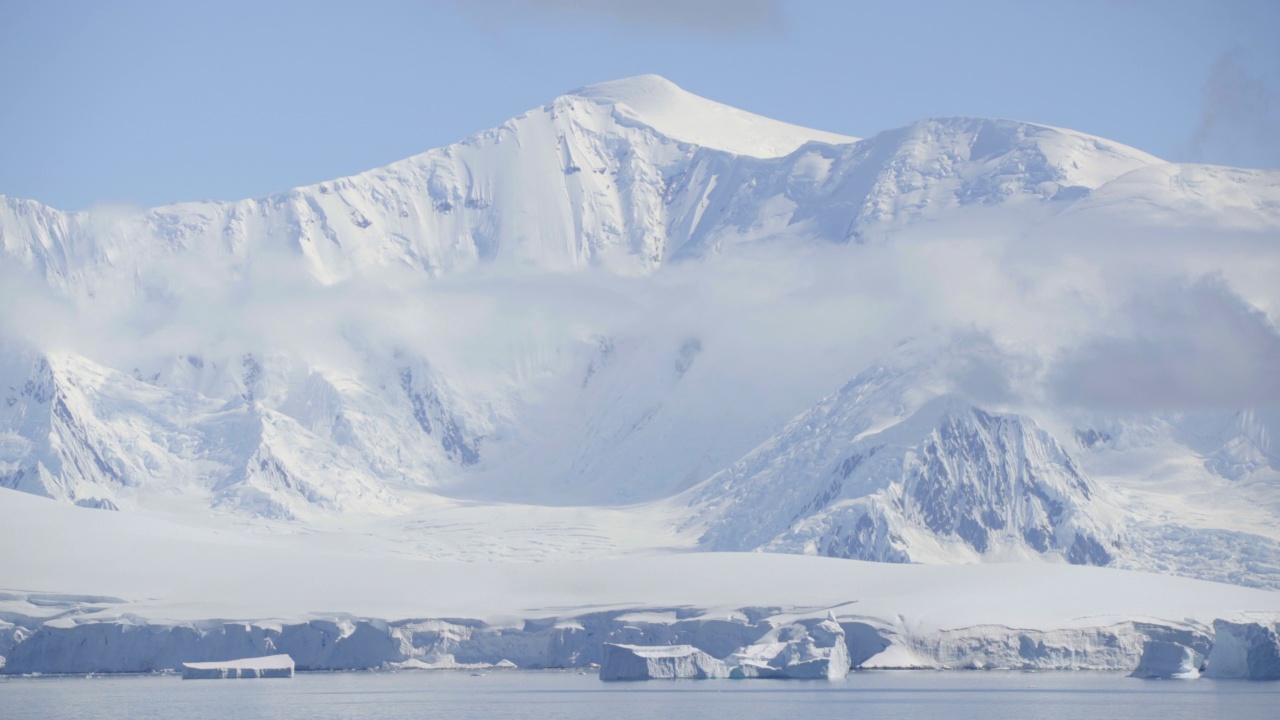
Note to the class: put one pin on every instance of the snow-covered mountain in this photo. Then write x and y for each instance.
(610, 176)
(582, 181)
(946, 482)
(85, 433)
(633, 295)
(897, 467)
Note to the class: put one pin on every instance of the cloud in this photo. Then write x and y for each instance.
(709, 15)
(1078, 315)
(1240, 114)
(980, 369)
(1189, 346)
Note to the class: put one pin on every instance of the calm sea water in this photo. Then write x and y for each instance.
(516, 694)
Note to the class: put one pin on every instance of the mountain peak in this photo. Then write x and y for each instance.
(657, 102)
(630, 89)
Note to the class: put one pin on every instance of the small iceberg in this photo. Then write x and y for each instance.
(271, 666)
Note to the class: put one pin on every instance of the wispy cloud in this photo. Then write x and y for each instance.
(1240, 114)
(1078, 315)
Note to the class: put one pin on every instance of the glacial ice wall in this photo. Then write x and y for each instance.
(1245, 650)
(1168, 660)
(128, 645)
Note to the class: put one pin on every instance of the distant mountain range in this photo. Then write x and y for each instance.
(966, 340)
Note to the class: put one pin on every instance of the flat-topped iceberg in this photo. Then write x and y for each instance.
(653, 662)
(271, 666)
(1168, 660)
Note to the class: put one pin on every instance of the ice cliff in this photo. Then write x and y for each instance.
(658, 643)
(1245, 650)
(1168, 660)
(803, 651)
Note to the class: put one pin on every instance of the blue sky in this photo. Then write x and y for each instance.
(145, 103)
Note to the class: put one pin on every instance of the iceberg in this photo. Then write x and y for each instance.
(650, 662)
(807, 651)
(271, 666)
(1244, 650)
(1168, 660)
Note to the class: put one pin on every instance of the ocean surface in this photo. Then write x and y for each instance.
(530, 694)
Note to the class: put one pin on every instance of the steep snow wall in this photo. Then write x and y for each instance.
(1245, 650)
(1168, 660)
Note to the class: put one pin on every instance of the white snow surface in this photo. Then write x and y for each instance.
(164, 572)
(268, 662)
(163, 593)
(656, 102)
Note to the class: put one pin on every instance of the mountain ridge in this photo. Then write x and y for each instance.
(434, 210)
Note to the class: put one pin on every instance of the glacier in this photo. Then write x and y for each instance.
(632, 325)
(53, 634)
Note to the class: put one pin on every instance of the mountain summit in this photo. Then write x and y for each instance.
(656, 102)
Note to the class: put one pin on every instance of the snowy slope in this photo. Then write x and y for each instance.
(1187, 193)
(163, 572)
(655, 102)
